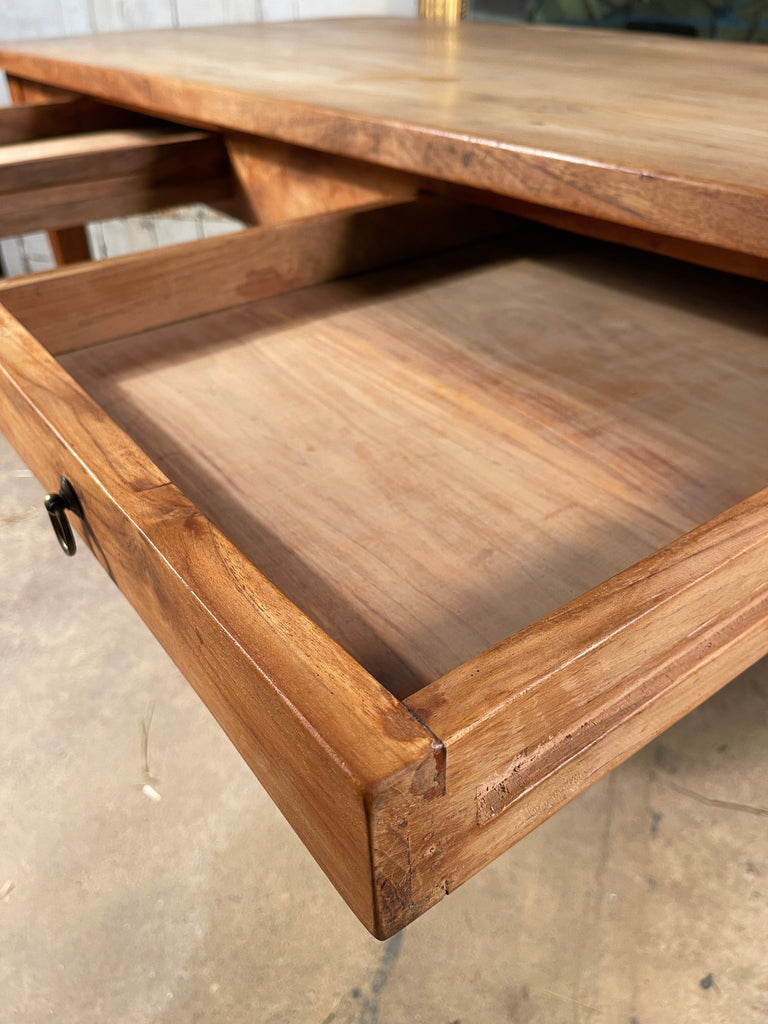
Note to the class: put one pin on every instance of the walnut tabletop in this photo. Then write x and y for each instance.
(652, 132)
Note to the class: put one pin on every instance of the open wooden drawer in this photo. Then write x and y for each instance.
(378, 522)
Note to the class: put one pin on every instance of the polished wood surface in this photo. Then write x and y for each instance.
(344, 760)
(619, 126)
(426, 477)
(132, 293)
(281, 182)
(428, 460)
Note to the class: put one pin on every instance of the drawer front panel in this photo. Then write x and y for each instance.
(321, 735)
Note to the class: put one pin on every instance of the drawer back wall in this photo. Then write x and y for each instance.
(36, 19)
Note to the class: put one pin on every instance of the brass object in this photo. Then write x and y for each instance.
(447, 12)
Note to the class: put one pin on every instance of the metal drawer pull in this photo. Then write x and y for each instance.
(57, 506)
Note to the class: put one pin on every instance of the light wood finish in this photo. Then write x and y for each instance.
(559, 117)
(281, 182)
(562, 703)
(68, 181)
(70, 244)
(158, 154)
(430, 458)
(434, 459)
(85, 150)
(430, 479)
(342, 758)
(144, 290)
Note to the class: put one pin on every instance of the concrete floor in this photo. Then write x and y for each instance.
(644, 901)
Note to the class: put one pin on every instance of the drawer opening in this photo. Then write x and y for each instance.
(427, 459)
(77, 179)
(76, 162)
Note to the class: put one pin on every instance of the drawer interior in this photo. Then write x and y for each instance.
(428, 458)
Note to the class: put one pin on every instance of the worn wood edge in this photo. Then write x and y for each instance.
(534, 721)
(127, 294)
(318, 173)
(654, 683)
(341, 757)
(601, 618)
(701, 210)
(345, 174)
(398, 898)
(455, 845)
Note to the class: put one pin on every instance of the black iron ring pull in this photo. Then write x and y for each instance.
(57, 506)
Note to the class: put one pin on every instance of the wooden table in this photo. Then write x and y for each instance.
(443, 510)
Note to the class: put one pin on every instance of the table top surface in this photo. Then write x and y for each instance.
(549, 114)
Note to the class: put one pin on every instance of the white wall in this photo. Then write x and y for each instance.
(35, 19)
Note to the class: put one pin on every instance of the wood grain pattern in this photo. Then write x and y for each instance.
(342, 758)
(531, 723)
(558, 117)
(64, 206)
(70, 244)
(68, 181)
(145, 290)
(431, 459)
(67, 162)
(279, 182)
(156, 153)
